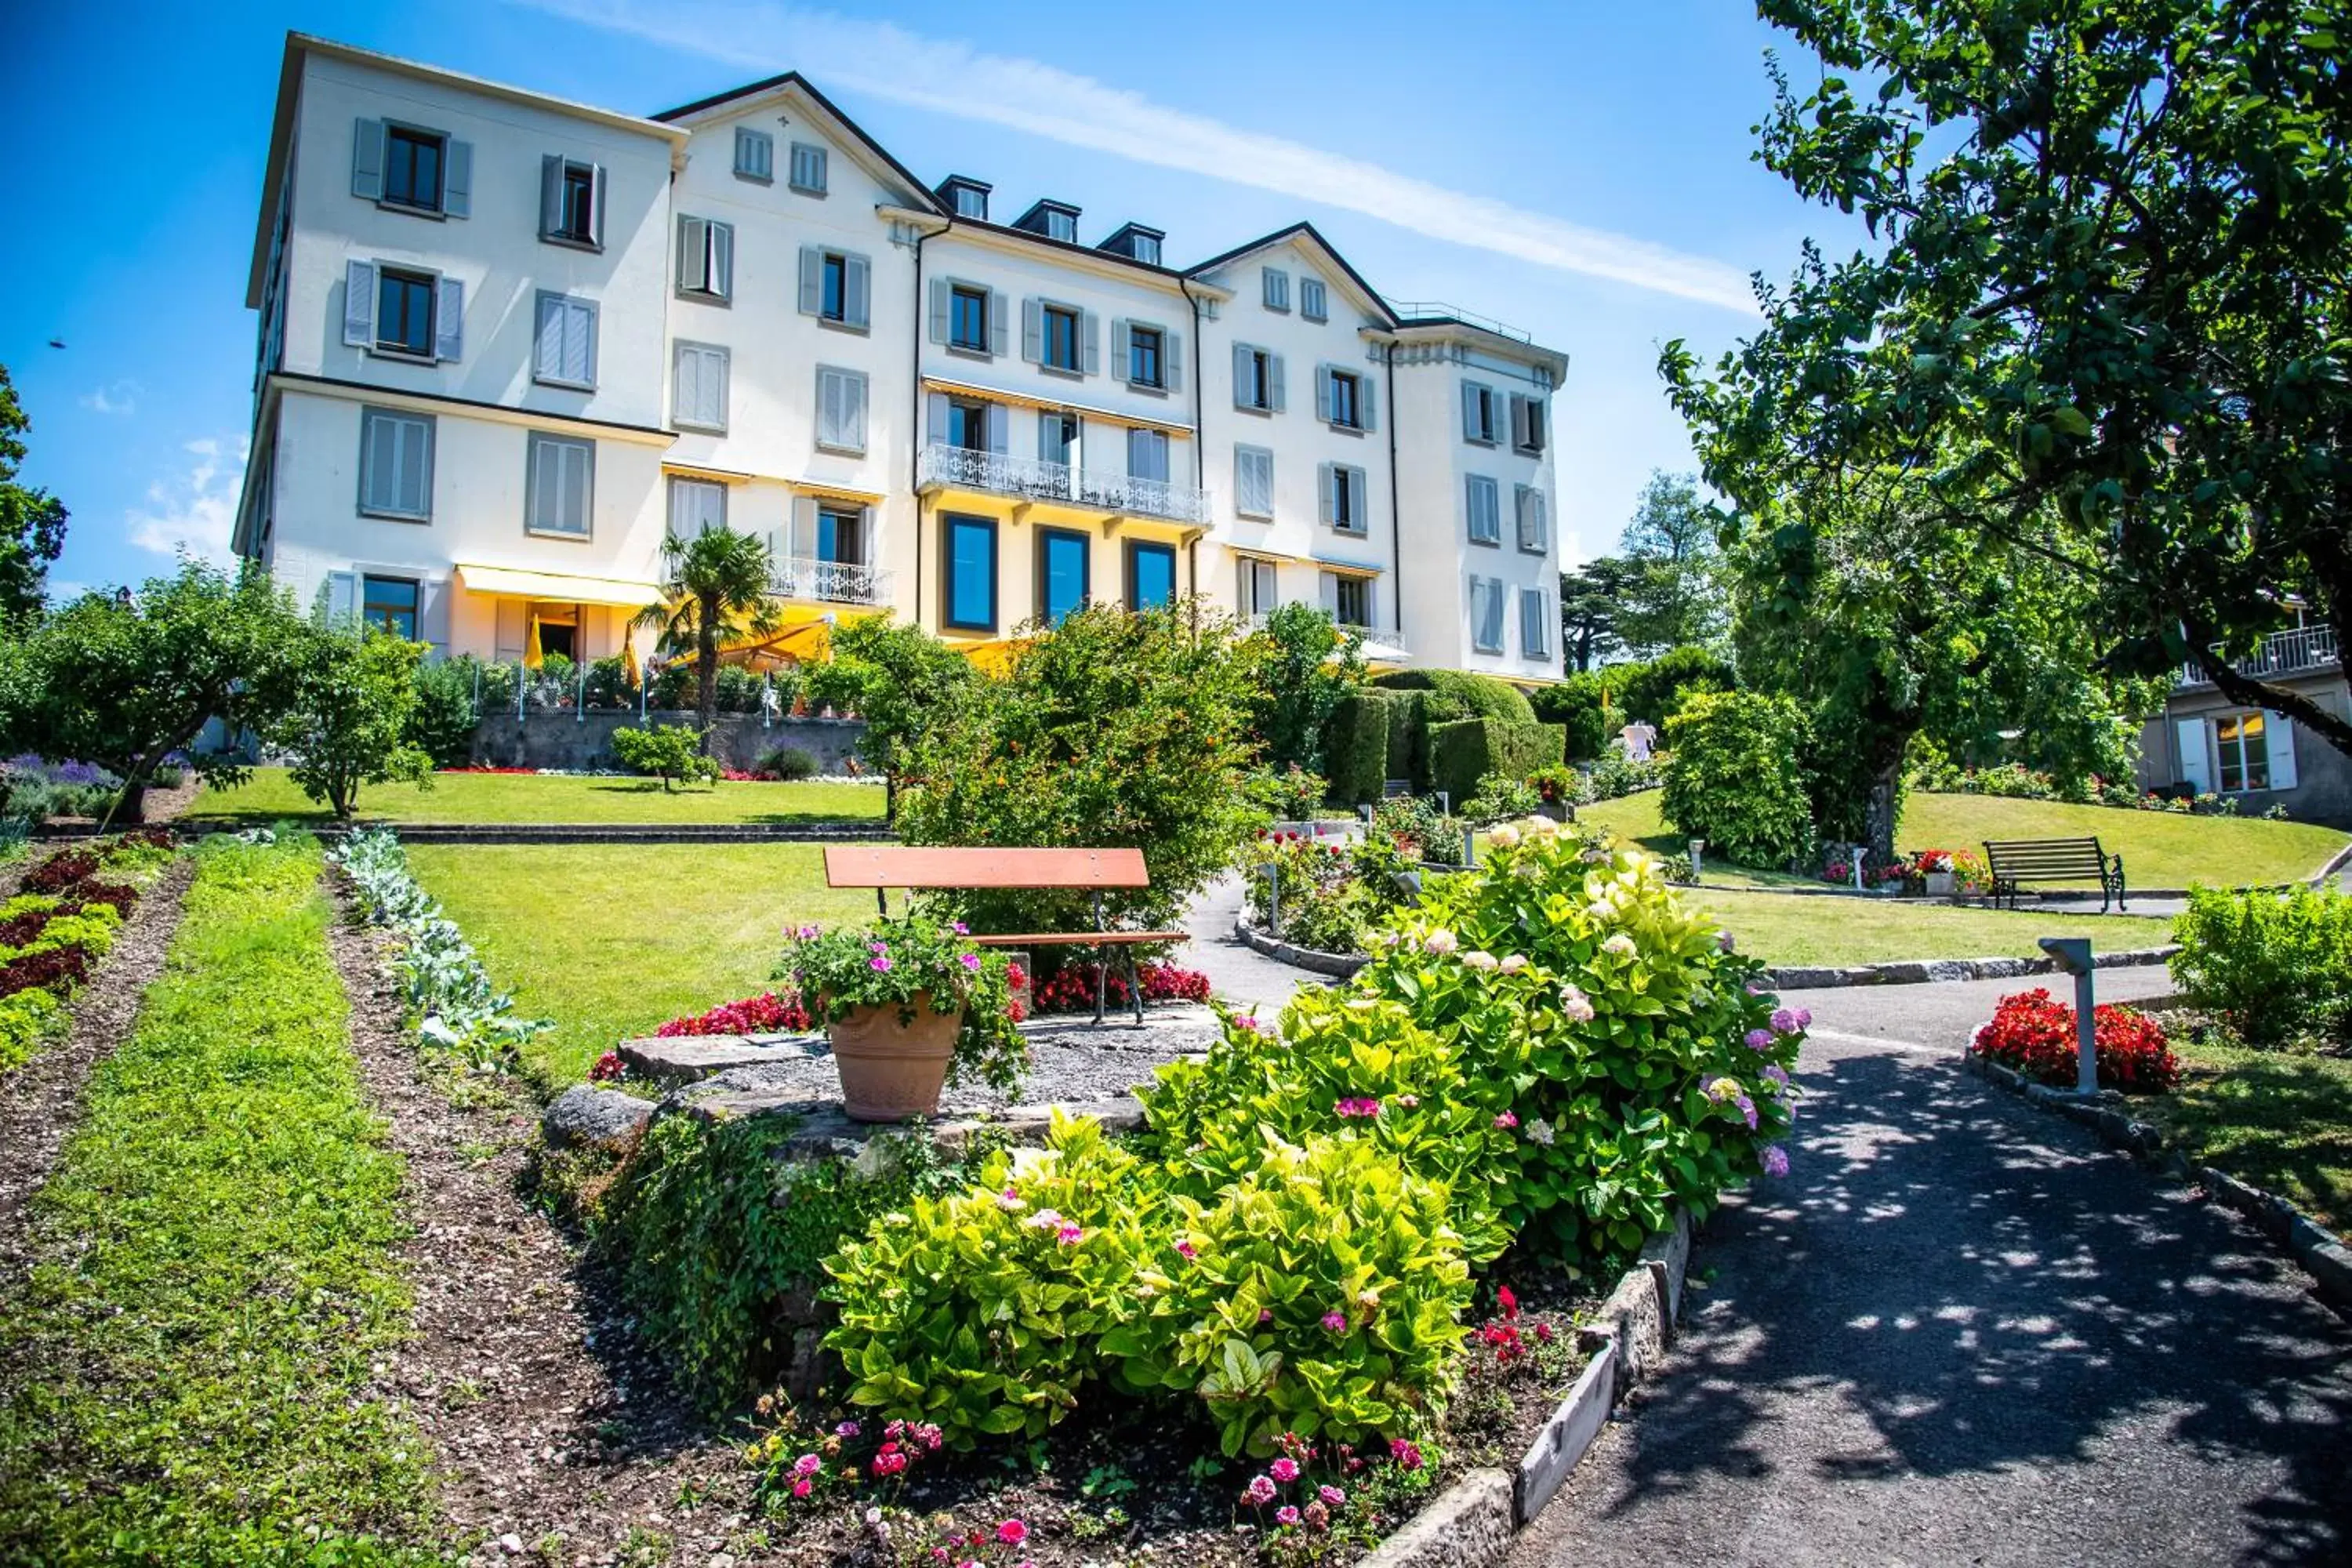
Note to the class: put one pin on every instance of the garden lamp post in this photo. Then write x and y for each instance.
(2073, 954)
(1697, 852)
(1272, 900)
(1859, 851)
(1469, 845)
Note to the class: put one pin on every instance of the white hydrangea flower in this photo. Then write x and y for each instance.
(1540, 1131)
(1503, 838)
(1440, 940)
(1513, 963)
(1482, 961)
(1621, 944)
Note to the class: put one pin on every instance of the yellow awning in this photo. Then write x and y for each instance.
(507, 583)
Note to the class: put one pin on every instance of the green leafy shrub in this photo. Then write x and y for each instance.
(1455, 694)
(739, 690)
(1659, 689)
(1291, 794)
(1356, 748)
(27, 1019)
(442, 722)
(1414, 824)
(2274, 967)
(790, 764)
(1736, 780)
(1617, 774)
(609, 685)
(1304, 665)
(1579, 706)
(673, 752)
(1501, 798)
(1464, 752)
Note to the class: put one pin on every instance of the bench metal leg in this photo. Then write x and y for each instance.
(1102, 965)
(1134, 985)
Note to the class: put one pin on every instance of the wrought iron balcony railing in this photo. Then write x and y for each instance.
(833, 581)
(1033, 478)
(2303, 651)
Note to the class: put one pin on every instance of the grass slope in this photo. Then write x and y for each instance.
(611, 940)
(2159, 849)
(2280, 1119)
(216, 1272)
(481, 798)
(1794, 929)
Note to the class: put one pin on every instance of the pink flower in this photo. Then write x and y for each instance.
(806, 932)
(1507, 1120)
(1724, 941)
(1284, 1469)
(1336, 1321)
(1407, 1101)
(846, 1429)
(1009, 1200)
(1184, 1249)
(880, 965)
(1013, 1533)
(1760, 1039)
(969, 961)
(1287, 1514)
(1265, 1315)
(807, 1464)
(1069, 1236)
(1259, 1492)
(801, 1488)
(1317, 1516)
(1405, 1453)
(1248, 1026)
(1332, 1495)
(960, 928)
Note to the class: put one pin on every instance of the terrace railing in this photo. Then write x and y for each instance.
(2303, 651)
(1034, 478)
(831, 582)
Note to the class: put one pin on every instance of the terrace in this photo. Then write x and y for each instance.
(2307, 650)
(945, 467)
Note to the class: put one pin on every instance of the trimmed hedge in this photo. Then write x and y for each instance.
(1467, 751)
(1356, 747)
(1409, 738)
(1579, 706)
(1456, 694)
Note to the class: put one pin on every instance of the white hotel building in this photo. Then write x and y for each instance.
(509, 343)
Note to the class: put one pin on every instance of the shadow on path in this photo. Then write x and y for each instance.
(1960, 1332)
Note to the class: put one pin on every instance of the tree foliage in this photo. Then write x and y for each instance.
(343, 717)
(897, 678)
(1590, 598)
(1306, 664)
(32, 521)
(2102, 319)
(1735, 780)
(715, 590)
(1669, 579)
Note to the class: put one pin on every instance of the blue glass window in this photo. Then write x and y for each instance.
(968, 319)
(1061, 573)
(1151, 576)
(971, 574)
(403, 313)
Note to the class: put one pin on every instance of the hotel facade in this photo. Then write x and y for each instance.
(508, 344)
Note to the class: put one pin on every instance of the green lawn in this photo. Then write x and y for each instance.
(187, 1375)
(547, 797)
(611, 940)
(2280, 1121)
(2159, 849)
(1794, 928)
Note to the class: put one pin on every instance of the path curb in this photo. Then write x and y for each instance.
(1920, 971)
(2320, 1251)
(1472, 1523)
(1339, 965)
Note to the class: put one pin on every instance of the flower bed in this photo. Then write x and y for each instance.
(2035, 1036)
(1071, 989)
(54, 932)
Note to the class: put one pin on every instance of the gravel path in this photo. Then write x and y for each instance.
(1962, 1332)
(1237, 972)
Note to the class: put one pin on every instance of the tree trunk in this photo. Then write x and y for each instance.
(706, 674)
(131, 811)
(1878, 810)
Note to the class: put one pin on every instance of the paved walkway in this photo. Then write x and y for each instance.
(1960, 1331)
(1237, 972)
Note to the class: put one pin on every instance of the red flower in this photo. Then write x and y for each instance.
(2035, 1035)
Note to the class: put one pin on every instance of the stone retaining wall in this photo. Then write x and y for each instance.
(551, 738)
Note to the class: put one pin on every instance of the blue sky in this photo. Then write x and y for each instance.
(1581, 170)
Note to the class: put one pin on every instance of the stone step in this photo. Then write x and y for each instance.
(688, 1058)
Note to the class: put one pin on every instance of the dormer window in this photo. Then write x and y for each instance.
(1135, 242)
(1055, 220)
(965, 198)
(1061, 225)
(1147, 248)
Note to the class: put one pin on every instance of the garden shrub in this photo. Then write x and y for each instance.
(1736, 779)
(1415, 826)
(739, 690)
(1408, 738)
(1456, 694)
(1291, 795)
(1500, 798)
(1071, 988)
(1617, 774)
(2273, 967)
(672, 751)
(442, 721)
(27, 1019)
(1464, 752)
(1658, 688)
(1303, 664)
(2035, 1036)
(1579, 706)
(790, 764)
(1356, 751)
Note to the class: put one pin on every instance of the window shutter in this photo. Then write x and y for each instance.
(936, 418)
(1367, 405)
(1032, 332)
(379, 460)
(1121, 357)
(722, 260)
(855, 273)
(551, 196)
(996, 426)
(1323, 392)
(1495, 614)
(2196, 767)
(714, 387)
(359, 304)
(342, 595)
(1469, 411)
(548, 364)
(1090, 334)
(1274, 380)
(433, 614)
(685, 381)
(367, 159)
(812, 281)
(1543, 520)
(450, 320)
(681, 509)
(596, 215)
(853, 412)
(803, 530)
(1324, 478)
(1171, 361)
(940, 292)
(1000, 330)
(576, 459)
(693, 250)
(2278, 730)
(1331, 593)
(457, 180)
(828, 406)
(416, 475)
(579, 342)
(1245, 361)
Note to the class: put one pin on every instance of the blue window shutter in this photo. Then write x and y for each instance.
(812, 281)
(853, 411)
(457, 180)
(1122, 357)
(450, 320)
(1324, 478)
(359, 304)
(367, 159)
(996, 426)
(596, 220)
(722, 260)
(1032, 332)
(1469, 411)
(937, 418)
(1000, 330)
(940, 292)
(342, 597)
(1171, 361)
(579, 342)
(1245, 364)
(547, 357)
(550, 195)
(1367, 406)
(855, 273)
(1323, 392)
(1090, 356)
(1274, 380)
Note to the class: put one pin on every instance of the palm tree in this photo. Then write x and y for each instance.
(715, 588)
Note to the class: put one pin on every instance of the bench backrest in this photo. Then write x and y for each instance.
(2044, 858)
(897, 865)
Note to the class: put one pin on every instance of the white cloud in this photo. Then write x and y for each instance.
(955, 79)
(193, 510)
(115, 397)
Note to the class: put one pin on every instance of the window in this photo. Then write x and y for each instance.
(565, 353)
(698, 386)
(970, 201)
(835, 286)
(403, 313)
(1144, 348)
(968, 422)
(1062, 570)
(1147, 455)
(1057, 440)
(1479, 416)
(1486, 614)
(840, 409)
(412, 168)
(968, 318)
(396, 463)
(389, 602)
(1535, 527)
(563, 486)
(571, 203)
(1347, 406)
(1312, 302)
(1151, 576)
(1351, 598)
(1145, 248)
(808, 169)
(968, 590)
(1343, 399)
(755, 156)
(1058, 346)
(696, 507)
(1344, 497)
(1277, 283)
(1062, 225)
(1257, 379)
(1526, 424)
(706, 260)
(840, 535)
(1535, 624)
(2243, 745)
(1484, 507)
(1254, 481)
(1258, 595)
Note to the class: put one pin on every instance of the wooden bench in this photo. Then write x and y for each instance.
(2015, 861)
(885, 867)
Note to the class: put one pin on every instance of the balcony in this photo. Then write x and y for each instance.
(828, 582)
(2307, 650)
(1057, 485)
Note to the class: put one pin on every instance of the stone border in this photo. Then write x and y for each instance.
(1472, 1523)
(2320, 1251)
(1338, 965)
(1920, 971)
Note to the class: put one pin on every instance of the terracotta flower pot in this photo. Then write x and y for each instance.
(891, 1071)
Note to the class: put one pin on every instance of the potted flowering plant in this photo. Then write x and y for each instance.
(1936, 872)
(908, 1004)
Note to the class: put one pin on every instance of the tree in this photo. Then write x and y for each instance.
(1305, 664)
(2102, 319)
(1590, 598)
(127, 681)
(670, 751)
(32, 521)
(347, 705)
(897, 678)
(1671, 591)
(716, 588)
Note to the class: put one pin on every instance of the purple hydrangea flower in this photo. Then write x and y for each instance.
(1760, 1039)
(1776, 1160)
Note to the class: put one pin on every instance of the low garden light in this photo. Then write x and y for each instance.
(2073, 955)
(1697, 851)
